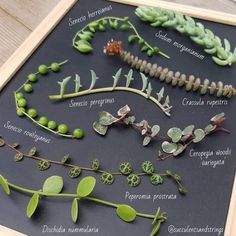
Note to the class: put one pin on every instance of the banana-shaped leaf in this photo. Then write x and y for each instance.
(116, 77)
(149, 90)
(145, 81)
(77, 83)
(129, 78)
(63, 85)
(93, 80)
(160, 94)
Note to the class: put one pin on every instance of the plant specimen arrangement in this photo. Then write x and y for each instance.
(52, 187)
(82, 39)
(176, 141)
(23, 110)
(190, 83)
(145, 92)
(222, 54)
(125, 168)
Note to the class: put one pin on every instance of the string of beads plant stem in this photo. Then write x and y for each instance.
(176, 141)
(145, 92)
(23, 110)
(108, 178)
(190, 83)
(82, 38)
(52, 187)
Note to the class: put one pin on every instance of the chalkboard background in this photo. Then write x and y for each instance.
(209, 189)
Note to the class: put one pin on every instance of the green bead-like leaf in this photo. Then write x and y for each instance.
(32, 205)
(175, 134)
(86, 186)
(74, 210)
(99, 128)
(4, 185)
(199, 135)
(74, 172)
(53, 184)
(105, 118)
(169, 147)
(209, 128)
(126, 213)
(131, 38)
(43, 165)
(188, 130)
(18, 157)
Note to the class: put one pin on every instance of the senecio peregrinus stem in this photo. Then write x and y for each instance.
(191, 83)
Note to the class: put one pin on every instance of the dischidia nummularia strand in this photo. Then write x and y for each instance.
(221, 52)
(52, 188)
(191, 83)
(23, 110)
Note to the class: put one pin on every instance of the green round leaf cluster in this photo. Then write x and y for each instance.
(156, 179)
(147, 167)
(95, 164)
(125, 168)
(74, 172)
(43, 165)
(133, 180)
(107, 178)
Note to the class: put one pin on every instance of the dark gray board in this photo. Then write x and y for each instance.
(206, 203)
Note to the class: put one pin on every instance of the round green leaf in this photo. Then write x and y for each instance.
(175, 134)
(218, 116)
(99, 128)
(43, 165)
(53, 184)
(86, 186)
(209, 128)
(105, 118)
(4, 185)
(169, 147)
(107, 178)
(126, 213)
(32, 151)
(188, 130)
(32, 205)
(199, 135)
(74, 210)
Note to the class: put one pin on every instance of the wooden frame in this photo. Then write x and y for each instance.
(19, 57)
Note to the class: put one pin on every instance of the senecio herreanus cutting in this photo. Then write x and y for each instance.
(52, 187)
(23, 109)
(222, 54)
(176, 141)
(191, 83)
(125, 168)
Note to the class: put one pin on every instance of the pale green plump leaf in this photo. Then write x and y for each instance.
(4, 184)
(129, 78)
(146, 140)
(227, 45)
(188, 130)
(175, 134)
(145, 81)
(123, 110)
(209, 128)
(94, 79)
(53, 184)
(179, 150)
(126, 213)
(218, 116)
(160, 94)
(32, 205)
(199, 135)
(99, 128)
(105, 118)
(155, 130)
(86, 186)
(169, 147)
(74, 210)
(116, 78)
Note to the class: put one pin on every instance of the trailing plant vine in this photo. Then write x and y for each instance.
(83, 37)
(52, 187)
(23, 110)
(176, 141)
(125, 169)
(191, 83)
(222, 54)
(145, 92)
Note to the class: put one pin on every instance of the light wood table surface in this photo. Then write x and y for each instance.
(18, 18)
